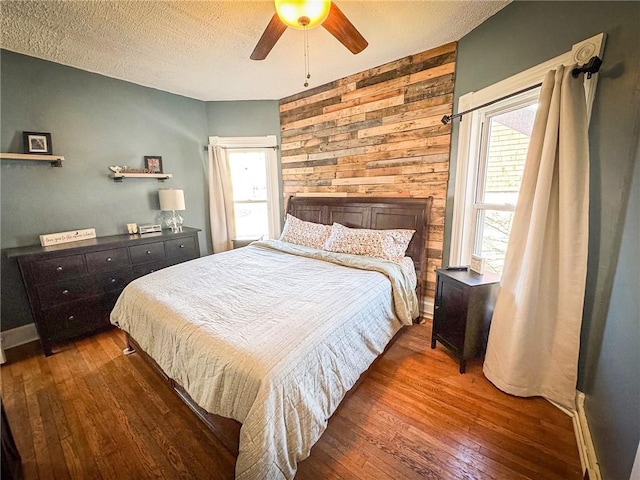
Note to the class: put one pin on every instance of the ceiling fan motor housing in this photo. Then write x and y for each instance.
(301, 14)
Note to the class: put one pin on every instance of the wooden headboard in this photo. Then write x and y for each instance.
(375, 213)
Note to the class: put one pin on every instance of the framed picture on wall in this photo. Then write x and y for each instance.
(153, 164)
(35, 142)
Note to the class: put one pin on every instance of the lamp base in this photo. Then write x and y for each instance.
(173, 221)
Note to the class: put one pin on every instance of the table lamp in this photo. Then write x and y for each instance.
(170, 201)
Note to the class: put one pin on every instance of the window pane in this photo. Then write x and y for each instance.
(248, 170)
(493, 228)
(248, 174)
(508, 141)
(252, 219)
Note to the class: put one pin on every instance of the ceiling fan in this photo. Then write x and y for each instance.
(304, 15)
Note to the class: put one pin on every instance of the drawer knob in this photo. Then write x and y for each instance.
(148, 252)
(65, 292)
(182, 245)
(109, 259)
(59, 268)
(113, 280)
(71, 317)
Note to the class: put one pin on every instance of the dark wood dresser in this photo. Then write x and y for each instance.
(462, 312)
(72, 287)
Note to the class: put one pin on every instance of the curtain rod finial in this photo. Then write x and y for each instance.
(591, 67)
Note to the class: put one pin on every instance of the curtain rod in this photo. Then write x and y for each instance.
(275, 147)
(591, 67)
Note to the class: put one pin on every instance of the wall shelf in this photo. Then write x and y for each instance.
(118, 177)
(55, 160)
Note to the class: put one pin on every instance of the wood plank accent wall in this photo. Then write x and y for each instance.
(376, 133)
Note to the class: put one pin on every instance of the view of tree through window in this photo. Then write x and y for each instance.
(507, 138)
(249, 179)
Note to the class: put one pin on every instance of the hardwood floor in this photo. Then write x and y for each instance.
(91, 412)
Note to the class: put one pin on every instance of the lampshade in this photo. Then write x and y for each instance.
(303, 13)
(171, 200)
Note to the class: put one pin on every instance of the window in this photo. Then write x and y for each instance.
(254, 177)
(492, 147)
(249, 179)
(505, 134)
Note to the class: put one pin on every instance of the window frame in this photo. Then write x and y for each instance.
(465, 182)
(270, 144)
(473, 232)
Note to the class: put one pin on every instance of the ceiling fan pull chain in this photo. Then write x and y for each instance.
(306, 57)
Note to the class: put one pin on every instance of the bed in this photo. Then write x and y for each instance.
(264, 342)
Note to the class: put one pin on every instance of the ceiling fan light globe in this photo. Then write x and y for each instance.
(312, 11)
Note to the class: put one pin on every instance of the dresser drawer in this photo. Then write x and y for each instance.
(112, 281)
(45, 271)
(74, 319)
(181, 247)
(149, 252)
(140, 270)
(107, 260)
(53, 294)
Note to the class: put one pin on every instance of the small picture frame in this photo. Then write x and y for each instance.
(36, 142)
(153, 164)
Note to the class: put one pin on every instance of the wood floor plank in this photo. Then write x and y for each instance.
(21, 425)
(448, 452)
(89, 411)
(33, 384)
(159, 419)
(127, 437)
(51, 437)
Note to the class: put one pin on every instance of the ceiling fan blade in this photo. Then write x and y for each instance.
(340, 27)
(271, 34)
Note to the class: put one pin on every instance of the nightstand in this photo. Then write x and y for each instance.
(462, 313)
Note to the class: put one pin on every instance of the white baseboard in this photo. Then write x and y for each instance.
(18, 336)
(583, 437)
(635, 471)
(427, 307)
(586, 450)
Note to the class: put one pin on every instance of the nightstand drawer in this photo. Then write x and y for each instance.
(112, 281)
(181, 247)
(53, 294)
(45, 271)
(149, 252)
(107, 260)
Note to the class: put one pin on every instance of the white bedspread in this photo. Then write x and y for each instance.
(269, 338)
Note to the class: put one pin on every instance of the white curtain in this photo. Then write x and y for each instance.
(220, 201)
(534, 338)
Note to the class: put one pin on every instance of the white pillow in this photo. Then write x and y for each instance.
(387, 244)
(308, 234)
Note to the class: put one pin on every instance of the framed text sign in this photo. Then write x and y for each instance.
(66, 237)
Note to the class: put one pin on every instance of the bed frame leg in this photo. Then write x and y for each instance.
(129, 350)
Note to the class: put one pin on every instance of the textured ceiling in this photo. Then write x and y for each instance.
(201, 49)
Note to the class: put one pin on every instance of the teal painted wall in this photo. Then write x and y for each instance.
(613, 404)
(246, 118)
(94, 121)
(518, 37)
